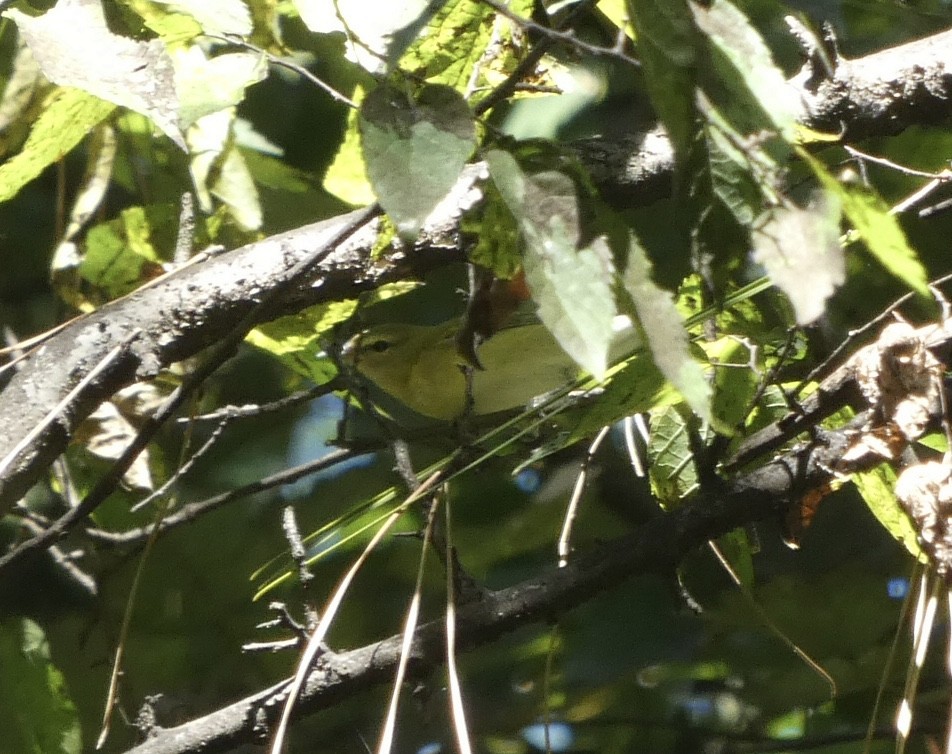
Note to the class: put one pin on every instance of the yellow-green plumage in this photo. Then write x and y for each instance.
(421, 367)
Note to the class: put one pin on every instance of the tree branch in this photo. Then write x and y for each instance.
(655, 547)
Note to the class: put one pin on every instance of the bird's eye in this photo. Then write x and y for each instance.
(378, 346)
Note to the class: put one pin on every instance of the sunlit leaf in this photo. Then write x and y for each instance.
(739, 45)
(377, 32)
(218, 169)
(498, 246)
(20, 86)
(466, 46)
(123, 253)
(296, 340)
(207, 85)
(74, 47)
(69, 115)
(877, 489)
(235, 187)
(346, 176)
(876, 226)
(616, 11)
(672, 471)
(632, 388)
(215, 16)
(414, 149)
(800, 249)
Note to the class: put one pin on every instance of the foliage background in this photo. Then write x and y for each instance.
(632, 670)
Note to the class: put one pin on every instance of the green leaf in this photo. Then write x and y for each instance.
(800, 249)
(573, 290)
(216, 16)
(346, 177)
(572, 286)
(741, 57)
(736, 548)
(207, 85)
(617, 12)
(381, 31)
(667, 47)
(672, 471)
(121, 254)
(235, 188)
(296, 339)
(876, 226)
(664, 329)
(37, 715)
(631, 388)
(74, 47)
(876, 488)
(466, 45)
(415, 149)
(69, 115)
(219, 170)
(731, 180)
(498, 246)
(735, 381)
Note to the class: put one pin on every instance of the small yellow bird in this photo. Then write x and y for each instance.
(420, 366)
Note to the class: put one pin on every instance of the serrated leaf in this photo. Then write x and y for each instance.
(69, 115)
(667, 47)
(747, 59)
(463, 39)
(414, 150)
(877, 490)
(800, 249)
(74, 47)
(664, 329)
(573, 290)
(879, 230)
(730, 175)
(672, 471)
(573, 287)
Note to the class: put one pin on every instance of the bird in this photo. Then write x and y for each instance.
(423, 367)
